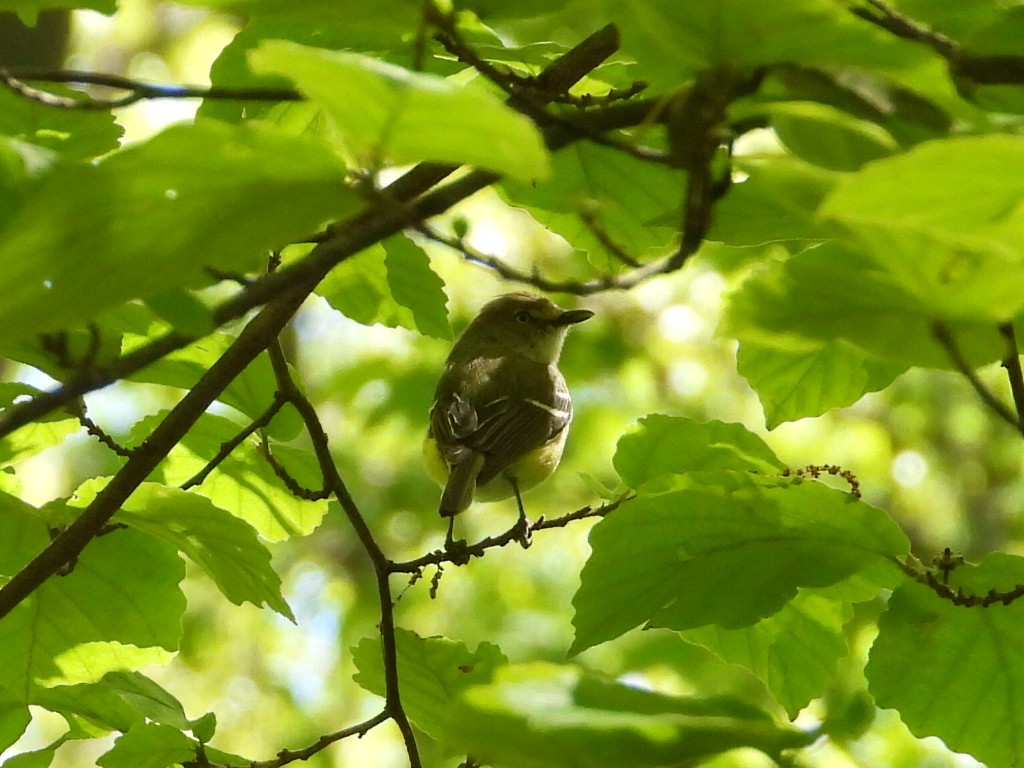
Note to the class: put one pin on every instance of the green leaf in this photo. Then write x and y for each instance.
(776, 203)
(380, 29)
(630, 201)
(223, 545)
(149, 699)
(183, 311)
(251, 392)
(669, 445)
(157, 216)
(795, 651)
(831, 292)
(35, 437)
(124, 588)
(20, 164)
(383, 109)
(90, 661)
(416, 287)
(539, 715)
(906, 114)
(22, 534)
(794, 384)
(546, 714)
(390, 284)
(72, 134)
(676, 38)
(204, 728)
(60, 354)
(96, 703)
(823, 135)
(432, 670)
(945, 220)
(14, 718)
(690, 558)
(368, 26)
(956, 672)
(149, 745)
(244, 483)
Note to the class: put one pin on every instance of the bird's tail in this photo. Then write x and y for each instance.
(458, 491)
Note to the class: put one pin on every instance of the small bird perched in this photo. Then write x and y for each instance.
(501, 410)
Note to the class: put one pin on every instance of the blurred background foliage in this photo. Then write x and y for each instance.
(924, 449)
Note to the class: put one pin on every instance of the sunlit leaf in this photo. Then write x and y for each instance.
(690, 558)
(390, 284)
(796, 651)
(384, 110)
(251, 392)
(956, 672)
(223, 545)
(148, 745)
(22, 534)
(124, 588)
(158, 215)
(831, 292)
(244, 483)
(547, 714)
(676, 38)
(796, 383)
(664, 445)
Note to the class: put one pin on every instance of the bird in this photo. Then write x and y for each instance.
(501, 409)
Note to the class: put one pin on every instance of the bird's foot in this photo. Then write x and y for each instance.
(522, 531)
(457, 550)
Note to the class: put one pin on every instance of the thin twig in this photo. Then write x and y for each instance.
(958, 596)
(513, 534)
(623, 281)
(529, 95)
(229, 446)
(67, 546)
(1011, 362)
(350, 237)
(93, 429)
(979, 69)
(286, 756)
(944, 336)
(18, 81)
(888, 18)
(381, 564)
(593, 223)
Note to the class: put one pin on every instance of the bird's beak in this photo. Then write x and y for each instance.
(573, 316)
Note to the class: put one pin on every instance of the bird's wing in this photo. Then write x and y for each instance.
(515, 410)
(513, 425)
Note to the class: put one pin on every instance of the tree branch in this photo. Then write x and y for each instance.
(978, 69)
(1011, 362)
(944, 336)
(348, 238)
(883, 15)
(286, 756)
(958, 596)
(513, 534)
(72, 540)
(230, 445)
(381, 564)
(18, 81)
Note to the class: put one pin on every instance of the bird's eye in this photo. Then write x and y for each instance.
(523, 317)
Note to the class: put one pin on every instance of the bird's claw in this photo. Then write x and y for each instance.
(457, 550)
(522, 531)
